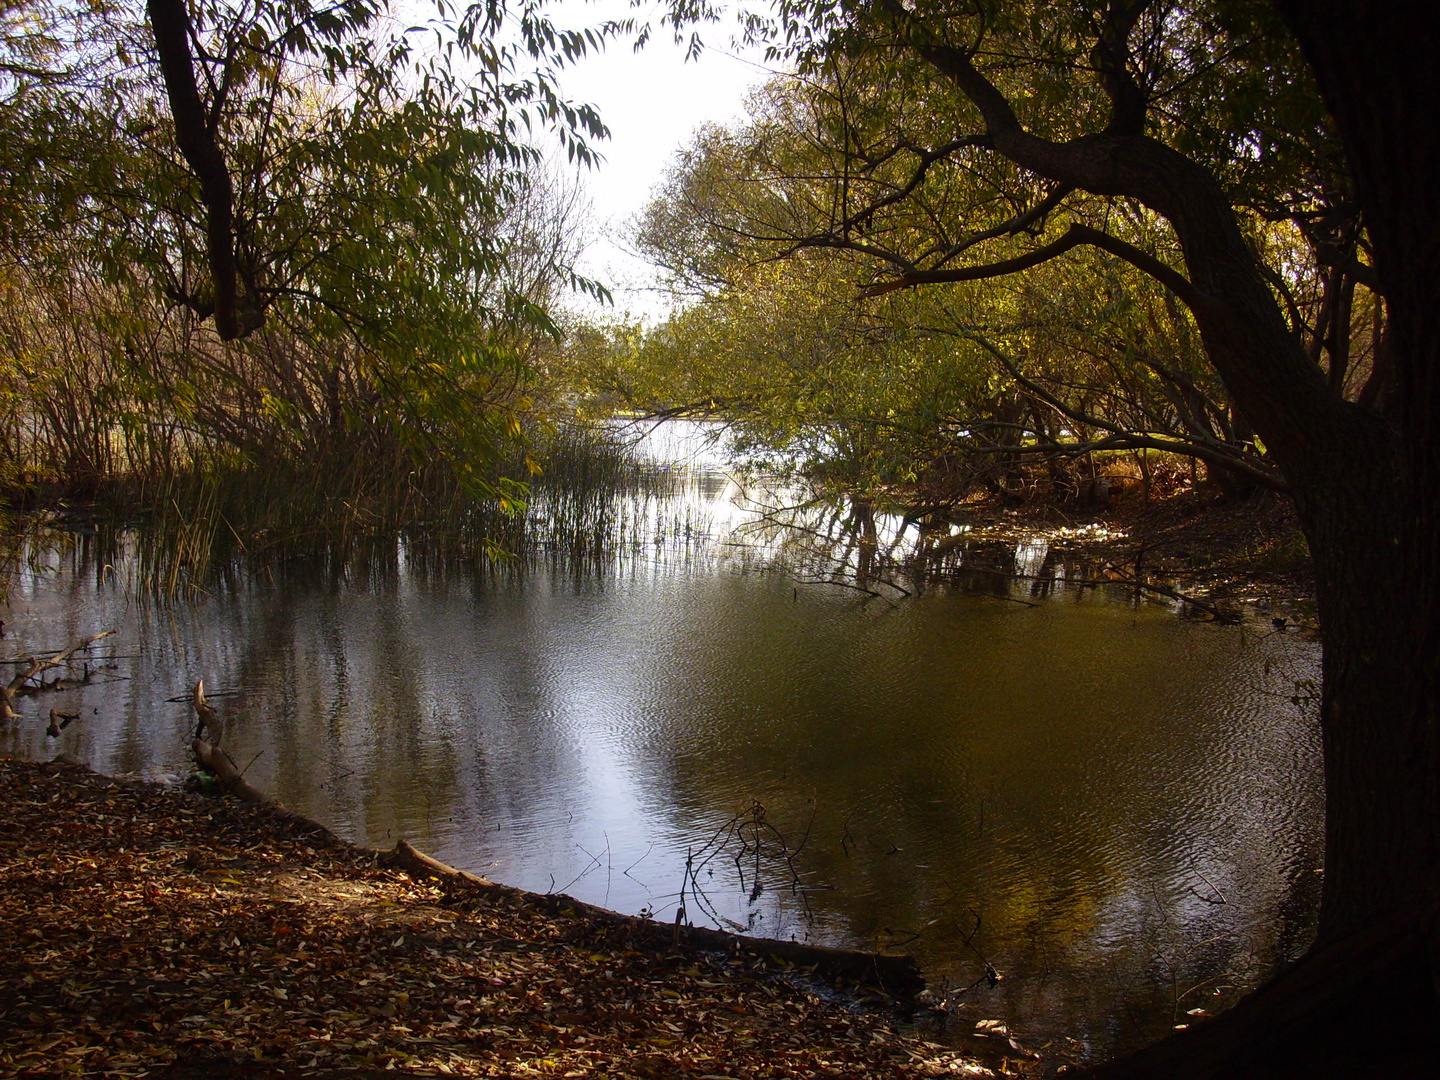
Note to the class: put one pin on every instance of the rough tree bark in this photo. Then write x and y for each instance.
(236, 314)
(1376, 68)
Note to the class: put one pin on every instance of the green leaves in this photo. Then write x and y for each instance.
(393, 230)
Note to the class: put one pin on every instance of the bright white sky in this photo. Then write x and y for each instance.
(652, 102)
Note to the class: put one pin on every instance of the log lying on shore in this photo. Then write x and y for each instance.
(216, 761)
(897, 975)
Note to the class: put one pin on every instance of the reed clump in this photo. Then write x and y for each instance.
(198, 527)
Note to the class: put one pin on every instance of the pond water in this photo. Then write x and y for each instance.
(1118, 809)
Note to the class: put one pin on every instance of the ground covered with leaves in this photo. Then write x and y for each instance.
(146, 930)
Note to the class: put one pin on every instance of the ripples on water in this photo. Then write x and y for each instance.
(1118, 809)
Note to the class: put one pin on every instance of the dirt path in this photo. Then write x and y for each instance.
(149, 931)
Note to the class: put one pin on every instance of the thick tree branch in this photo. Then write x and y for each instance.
(1075, 236)
(1266, 370)
(1143, 261)
(1132, 440)
(1329, 255)
(1054, 249)
(1111, 57)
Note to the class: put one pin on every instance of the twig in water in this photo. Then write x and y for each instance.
(1208, 899)
(591, 865)
(636, 863)
(896, 941)
(845, 585)
(680, 909)
(609, 870)
(10, 691)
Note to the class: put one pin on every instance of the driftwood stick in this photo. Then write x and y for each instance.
(212, 758)
(205, 715)
(34, 666)
(59, 721)
(1117, 578)
(899, 975)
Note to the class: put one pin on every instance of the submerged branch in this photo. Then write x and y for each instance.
(19, 684)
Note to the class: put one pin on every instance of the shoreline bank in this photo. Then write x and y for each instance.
(148, 930)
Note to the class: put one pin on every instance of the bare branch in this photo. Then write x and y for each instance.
(1205, 449)
(928, 159)
(10, 691)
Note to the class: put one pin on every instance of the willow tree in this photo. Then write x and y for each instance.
(278, 234)
(450, 75)
(1077, 356)
(1189, 112)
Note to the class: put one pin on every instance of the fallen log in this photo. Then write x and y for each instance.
(423, 866)
(897, 975)
(217, 762)
(17, 686)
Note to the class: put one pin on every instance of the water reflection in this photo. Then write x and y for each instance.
(1117, 809)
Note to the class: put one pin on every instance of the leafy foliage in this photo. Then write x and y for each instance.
(394, 229)
(783, 231)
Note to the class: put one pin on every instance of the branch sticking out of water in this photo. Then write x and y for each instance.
(35, 665)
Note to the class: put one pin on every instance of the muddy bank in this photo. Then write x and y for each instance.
(149, 931)
(1248, 551)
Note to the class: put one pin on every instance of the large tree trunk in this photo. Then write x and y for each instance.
(1376, 67)
(1365, 490)
(1349, 468)
(1366, 1000)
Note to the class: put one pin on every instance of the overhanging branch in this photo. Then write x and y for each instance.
(1075, 236)
(1211, 451)
(1005, 267)
(1129, 440)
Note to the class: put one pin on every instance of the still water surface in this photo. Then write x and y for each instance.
(1118, 809)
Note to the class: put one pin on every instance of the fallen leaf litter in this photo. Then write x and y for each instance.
(145, 929)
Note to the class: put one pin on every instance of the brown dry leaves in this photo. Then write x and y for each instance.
(143, 928)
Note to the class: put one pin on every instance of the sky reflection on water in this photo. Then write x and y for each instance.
(1126, 804)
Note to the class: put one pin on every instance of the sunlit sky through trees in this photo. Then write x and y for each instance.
(652, 101)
